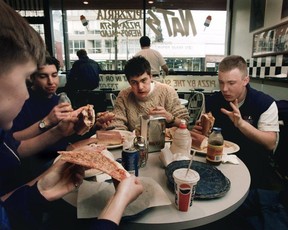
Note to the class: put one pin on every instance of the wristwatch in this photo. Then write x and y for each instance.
(42, 125)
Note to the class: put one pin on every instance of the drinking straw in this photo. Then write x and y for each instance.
(190, 163)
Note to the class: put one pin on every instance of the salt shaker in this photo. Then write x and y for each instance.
(141, 145)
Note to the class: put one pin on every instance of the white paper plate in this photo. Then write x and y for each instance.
(127, 135)
(229, 148)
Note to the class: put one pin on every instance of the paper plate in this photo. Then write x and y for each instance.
(212, 183)
(125, 134)
(229, 148)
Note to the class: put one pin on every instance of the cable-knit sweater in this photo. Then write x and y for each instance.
(128, 108)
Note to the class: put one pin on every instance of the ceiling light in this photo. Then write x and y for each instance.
(150, 2)
(85, 2)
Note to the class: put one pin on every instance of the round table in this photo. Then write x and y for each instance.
(202, 211)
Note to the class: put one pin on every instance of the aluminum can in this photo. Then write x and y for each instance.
(130, 160)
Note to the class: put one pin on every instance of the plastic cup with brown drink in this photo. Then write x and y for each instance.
(185, 182)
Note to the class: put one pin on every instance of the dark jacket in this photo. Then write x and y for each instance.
(84, 74)
(255, 156)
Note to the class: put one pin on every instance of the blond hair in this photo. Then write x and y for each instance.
(233, 62)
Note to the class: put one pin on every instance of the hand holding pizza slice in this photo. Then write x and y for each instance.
(95, 159)
(104, 117)
(86, 119)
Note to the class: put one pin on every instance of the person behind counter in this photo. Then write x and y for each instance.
(247, 117)
(153, 56)
(22, 208)
(145, 96)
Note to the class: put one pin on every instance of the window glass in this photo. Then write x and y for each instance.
(189, 40)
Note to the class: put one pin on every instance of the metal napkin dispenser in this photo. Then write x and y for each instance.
(153, 131)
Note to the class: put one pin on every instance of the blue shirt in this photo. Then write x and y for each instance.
(9, 163)
(35, 108)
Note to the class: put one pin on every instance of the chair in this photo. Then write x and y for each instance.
(195, 106)
(112, 99)
(97, 99)
(280, 156)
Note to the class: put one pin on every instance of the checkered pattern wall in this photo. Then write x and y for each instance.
(270, 66)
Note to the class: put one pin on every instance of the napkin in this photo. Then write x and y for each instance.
(166, 156)
(230, 158)
(93, 197)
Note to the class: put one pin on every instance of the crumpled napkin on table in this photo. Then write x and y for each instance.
(93, 197)
(167, 157)
(230, 158)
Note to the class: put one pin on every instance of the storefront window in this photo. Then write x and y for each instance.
(185, 38)
(76, 45)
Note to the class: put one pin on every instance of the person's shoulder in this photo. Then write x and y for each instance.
(217, 95)
(260, 96)
(164, 87)
(124, 92)
(155, 52)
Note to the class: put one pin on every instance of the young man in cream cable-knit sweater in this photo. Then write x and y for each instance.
(145, 96)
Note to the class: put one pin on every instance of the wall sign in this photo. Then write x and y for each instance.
(181, 83)
(127, 23)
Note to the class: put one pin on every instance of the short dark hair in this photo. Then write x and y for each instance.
(145, 41)
(81, 53)
(52, 61)
(137, 66)
(49, 60)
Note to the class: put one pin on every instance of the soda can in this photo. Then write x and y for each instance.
(130, 160)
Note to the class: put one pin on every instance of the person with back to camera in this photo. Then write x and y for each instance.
(22, 208)
(155, 59)
(84, 74)
(145, 96)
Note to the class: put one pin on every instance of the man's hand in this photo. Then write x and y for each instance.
(66, 126)
(60, 179)
(103, 119)
(58, 113)
(161, 111)
(234, 115)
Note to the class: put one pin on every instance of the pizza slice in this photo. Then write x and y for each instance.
(97, 160)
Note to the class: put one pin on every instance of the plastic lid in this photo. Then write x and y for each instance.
(217, 129)
(183, 124)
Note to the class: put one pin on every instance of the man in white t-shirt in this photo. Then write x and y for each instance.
(153, 56)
